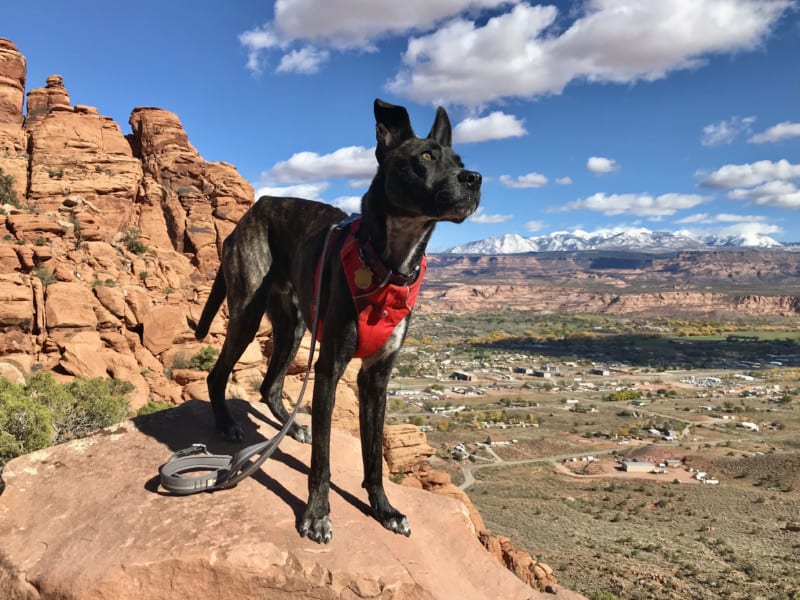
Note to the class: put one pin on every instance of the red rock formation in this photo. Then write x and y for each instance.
(13, 160)
(110, 535)
(199, 202)
(405, 448)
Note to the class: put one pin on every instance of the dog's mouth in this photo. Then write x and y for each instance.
(461, 211)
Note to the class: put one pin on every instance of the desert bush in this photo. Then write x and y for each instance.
(153, 407)
(45, 275)
(204, 360)
(132, 241)
(7, 193)
(43, 412)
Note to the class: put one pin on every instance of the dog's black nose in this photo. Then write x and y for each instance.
(471, 179)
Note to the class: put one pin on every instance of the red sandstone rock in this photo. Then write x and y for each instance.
(108, 534)
(161, 326)
(13, 159)
(69, 305)
(405, 448)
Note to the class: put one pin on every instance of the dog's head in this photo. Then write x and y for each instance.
(422, 177)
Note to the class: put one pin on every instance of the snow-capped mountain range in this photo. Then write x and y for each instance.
(641, 240)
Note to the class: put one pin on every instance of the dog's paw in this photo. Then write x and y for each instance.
(319, 529)
(301, 433)
(232, 432)
(397, 523)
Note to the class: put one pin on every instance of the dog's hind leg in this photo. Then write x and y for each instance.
(242, 328)
(287, 331)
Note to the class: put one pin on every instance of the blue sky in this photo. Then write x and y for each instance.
(663, 114)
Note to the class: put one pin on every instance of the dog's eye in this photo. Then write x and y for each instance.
(427, 156)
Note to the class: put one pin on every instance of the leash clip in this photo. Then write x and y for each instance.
(190, 451)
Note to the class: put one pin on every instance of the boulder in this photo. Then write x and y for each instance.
(405, 447)
(521, 563)
(86, 520)
(161, 325)
(16, 299)
(82, 354)
(69, 305)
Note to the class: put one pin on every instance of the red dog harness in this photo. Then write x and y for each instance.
(382, 298)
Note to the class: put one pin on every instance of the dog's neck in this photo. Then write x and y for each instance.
(407, 239)
(399, 241)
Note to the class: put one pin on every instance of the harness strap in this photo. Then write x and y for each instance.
(221, 471)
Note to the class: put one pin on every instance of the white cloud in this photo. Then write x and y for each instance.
(744, 229)
(531, 180)
(705, 218)
(729, 218)
(522, 53)
(640, 205)
(495, 126)
(598, 164)
(762, 183)
(306, 61)
(749, 174)
(777, 133)
(726, 131)
(256, 41)
(348, 24)
(354, 162)
(696, 218)
(349, 204)
(564, 181)
(783, 194)
(482, 217)
(312, 191)
(534, 226)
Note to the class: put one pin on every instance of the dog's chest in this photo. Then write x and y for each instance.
(382, 305)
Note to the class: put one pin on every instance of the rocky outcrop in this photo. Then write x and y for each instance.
(405, 448)
(199, 202)
(110, 533)
(96, 276)
(13, 158)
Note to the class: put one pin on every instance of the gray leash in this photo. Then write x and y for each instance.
(221, 471)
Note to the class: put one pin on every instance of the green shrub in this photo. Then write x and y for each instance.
(153, 407)
(132, 242)
(7, 193)
(43, 412)
(25, 425)
(203, 360)
(47, 276)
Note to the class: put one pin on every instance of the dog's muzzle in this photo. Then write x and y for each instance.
(470, 179)
(466, 196)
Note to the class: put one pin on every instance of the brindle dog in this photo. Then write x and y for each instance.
(269, 263)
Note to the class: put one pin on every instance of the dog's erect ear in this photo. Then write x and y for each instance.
(441, 130)
(392, 127)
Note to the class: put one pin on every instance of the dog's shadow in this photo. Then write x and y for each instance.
(192, 423)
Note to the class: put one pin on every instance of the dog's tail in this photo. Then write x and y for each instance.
(213, 303)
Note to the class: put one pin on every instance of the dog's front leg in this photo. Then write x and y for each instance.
(373, 379)
(316, 523)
